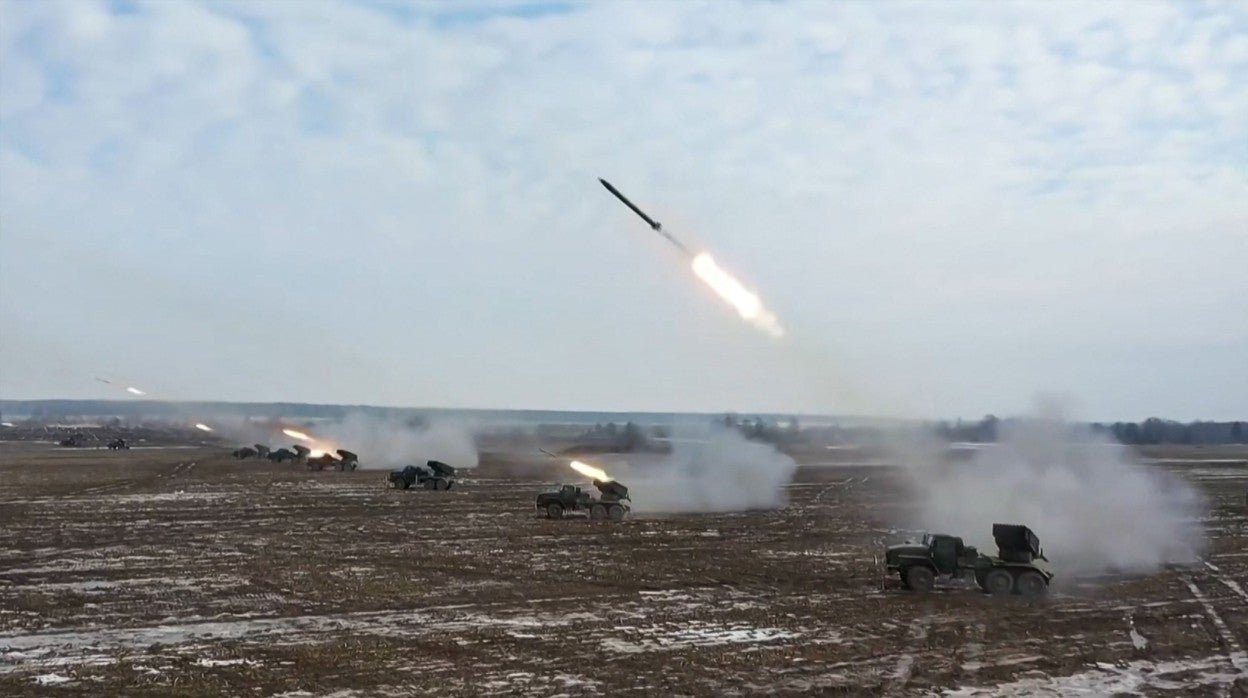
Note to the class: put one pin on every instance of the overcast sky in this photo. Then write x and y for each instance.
(951, 207)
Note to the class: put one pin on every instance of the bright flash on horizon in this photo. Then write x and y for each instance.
(296, 435)
(135, 391)
(590, 471)
(203, 427)
(747, 304)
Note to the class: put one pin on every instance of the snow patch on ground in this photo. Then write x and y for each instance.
(1111, 679)
(651, 638)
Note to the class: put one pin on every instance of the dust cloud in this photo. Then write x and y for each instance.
(384, 444)
(713, 471)
(1095, 508)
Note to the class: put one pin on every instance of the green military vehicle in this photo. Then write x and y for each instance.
(436, 475)
(1013, 570)
(614, 503)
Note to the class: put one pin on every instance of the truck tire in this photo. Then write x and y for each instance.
(998, 582)
(404, 484)
(616, 512)
(440, 484)
(554, 510)
(430, 484)
(1031, 585)
(598, 512)
(920, 578)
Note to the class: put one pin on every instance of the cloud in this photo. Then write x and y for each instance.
(901, 179)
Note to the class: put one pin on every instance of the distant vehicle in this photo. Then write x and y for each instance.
(613, 504)
(301, 453)
(435, 475)
(118, 444)
(244, 453)
(1013, 570)
(347, 460)
(325, 460)
(282, 455)
(262, 451)
(74, 441)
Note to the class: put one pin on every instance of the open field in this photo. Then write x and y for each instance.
(182, 572)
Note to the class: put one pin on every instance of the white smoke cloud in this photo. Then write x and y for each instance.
(1093, 506)
(720, 471)
(387, 443)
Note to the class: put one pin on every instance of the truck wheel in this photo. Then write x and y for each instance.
(998, 582)
(598, 512)
(554, 510)
(616, 512)
(1031, 585)
(404, 484)
(430, 484)
(920, 578)
(440, 484)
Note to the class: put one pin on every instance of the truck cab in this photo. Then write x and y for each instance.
(943, 553)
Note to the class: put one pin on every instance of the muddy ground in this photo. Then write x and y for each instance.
(183, 572)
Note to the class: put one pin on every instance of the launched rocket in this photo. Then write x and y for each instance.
(654, 225)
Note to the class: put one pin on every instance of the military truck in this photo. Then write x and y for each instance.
(321, 462)
(281, 455)
(1013, 570)
(613, 503)
(118, 444)
(301, 453)
(243, 453)
(347, 460)
(435, 475)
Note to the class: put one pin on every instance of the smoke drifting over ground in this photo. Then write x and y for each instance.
(719, 470)
(385, 444)
(1094, 508)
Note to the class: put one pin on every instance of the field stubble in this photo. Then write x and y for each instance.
(184, 572)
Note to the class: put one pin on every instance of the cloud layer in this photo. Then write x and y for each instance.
(952, 206)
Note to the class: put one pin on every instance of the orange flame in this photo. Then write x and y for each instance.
(590, 471)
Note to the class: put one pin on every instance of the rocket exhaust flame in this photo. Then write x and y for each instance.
(135, 391)
(296, 435)
(590, 471)
(203, 427)
(747, 304)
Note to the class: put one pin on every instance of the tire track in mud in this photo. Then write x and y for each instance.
(904, 668)
(1234, 656)
(1228, 583)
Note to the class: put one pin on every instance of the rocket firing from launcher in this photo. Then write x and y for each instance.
(725, 285)
(585, 469)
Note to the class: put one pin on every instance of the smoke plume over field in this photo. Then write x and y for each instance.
(718, 471)
(1094, 508)
(386, 443)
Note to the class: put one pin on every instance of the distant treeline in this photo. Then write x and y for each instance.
(1151, 431)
